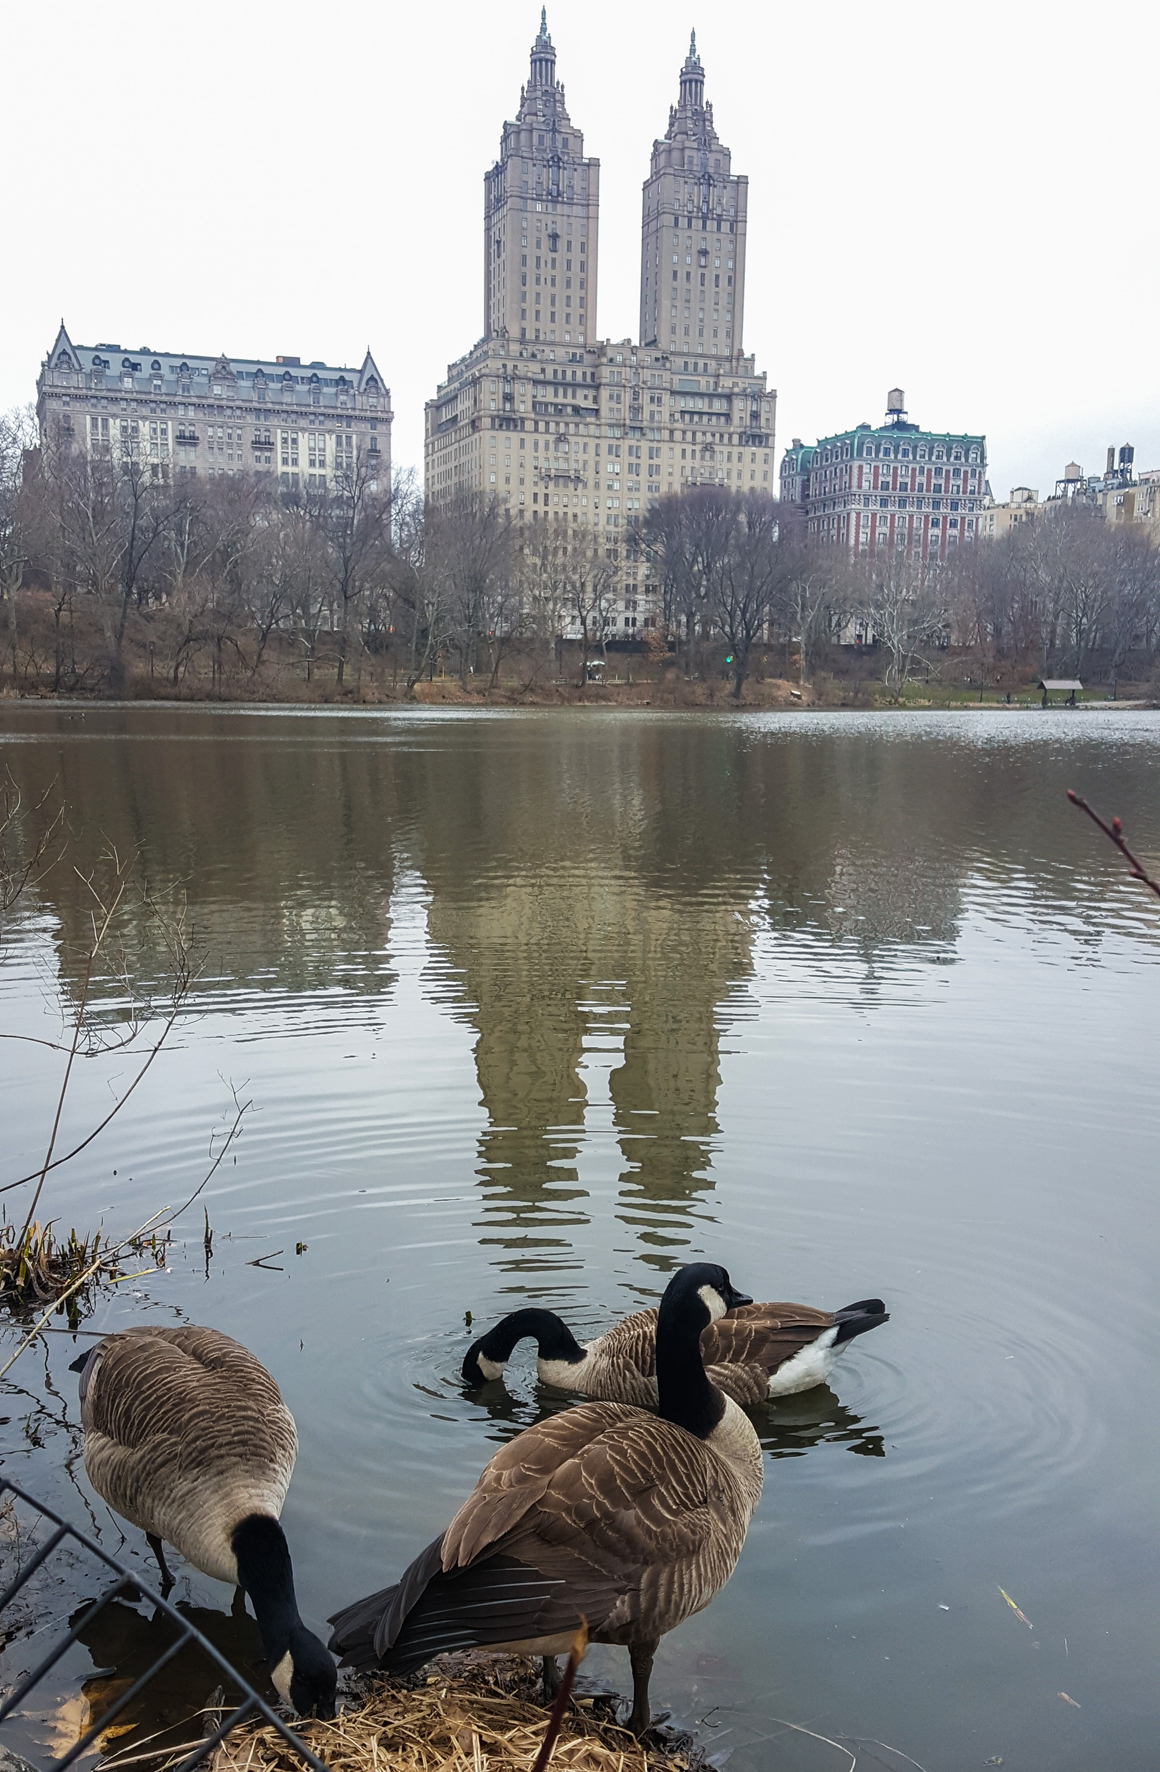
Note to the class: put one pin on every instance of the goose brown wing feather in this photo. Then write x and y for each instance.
(646, 1525)
(637, 1516)
(519, 1474)
(634, 1340)
(764, 1335)
(186, 1433)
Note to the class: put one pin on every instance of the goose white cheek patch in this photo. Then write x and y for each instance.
(712, 1300)
(282, 1676)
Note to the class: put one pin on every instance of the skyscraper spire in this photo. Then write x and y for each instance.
(541, 204)
(543, 55)
(693, 76)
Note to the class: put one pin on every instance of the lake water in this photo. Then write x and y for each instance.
(540, 1006)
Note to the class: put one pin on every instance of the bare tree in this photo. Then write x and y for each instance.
(475, 558)
(110, 513)
(354, 520)
(905, 605)
(688, 536)
(21, 511)
(414, 580)
(546, 604)
(590, 575)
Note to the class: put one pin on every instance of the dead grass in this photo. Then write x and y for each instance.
(473, 1714)
(36, 1266)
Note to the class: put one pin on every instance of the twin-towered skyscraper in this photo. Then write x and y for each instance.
(558, 425)
(542, 169)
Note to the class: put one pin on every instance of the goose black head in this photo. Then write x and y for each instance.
(706, 1284)
(477, 1367)
(306, 1676)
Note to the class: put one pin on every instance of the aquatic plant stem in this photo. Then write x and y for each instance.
(110, 1249)
(1114, 832)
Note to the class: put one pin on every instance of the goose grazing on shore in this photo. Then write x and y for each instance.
(187, 1437)
(633, 1520)
(756, 1351)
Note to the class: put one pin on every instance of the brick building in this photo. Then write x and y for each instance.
(894, 485)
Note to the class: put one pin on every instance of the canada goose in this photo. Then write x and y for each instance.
(632, 1519)
(187, 1437)
(755, 1352)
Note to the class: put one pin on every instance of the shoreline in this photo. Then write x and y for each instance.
(687, 697)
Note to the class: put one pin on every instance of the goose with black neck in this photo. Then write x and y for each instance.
(754, 1352)
(187, 1437)
(632, 1519)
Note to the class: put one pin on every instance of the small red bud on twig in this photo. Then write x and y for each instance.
(1115, 834)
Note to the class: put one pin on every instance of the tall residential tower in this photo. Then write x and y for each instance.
(561, 427)
(541, 285)
(692, 268)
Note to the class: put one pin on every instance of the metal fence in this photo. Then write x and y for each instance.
(128, 1584)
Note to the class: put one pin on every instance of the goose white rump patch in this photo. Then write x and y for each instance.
(811, 1366)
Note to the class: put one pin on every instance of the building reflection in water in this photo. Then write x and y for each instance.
(602, 892)
(573, 952)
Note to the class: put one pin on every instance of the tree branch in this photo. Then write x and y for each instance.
(1114, 832)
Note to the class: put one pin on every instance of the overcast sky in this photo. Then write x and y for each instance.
(960, 200)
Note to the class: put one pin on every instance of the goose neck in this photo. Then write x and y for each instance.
(267, 1575)
(552, 1336)
(685, 1393)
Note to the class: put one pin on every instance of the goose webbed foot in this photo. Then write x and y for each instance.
(551, 1677)
(640, 1716)
(155, 1546)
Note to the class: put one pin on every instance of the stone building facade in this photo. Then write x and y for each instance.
(894, 485)
(566, 429)
(307, 423)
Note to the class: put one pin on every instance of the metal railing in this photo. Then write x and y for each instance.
(131, 1586)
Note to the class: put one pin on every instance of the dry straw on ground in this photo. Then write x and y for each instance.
(474, 1714)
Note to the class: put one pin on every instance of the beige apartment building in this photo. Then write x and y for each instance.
(188, 415)
(995, 520)
(561, 427)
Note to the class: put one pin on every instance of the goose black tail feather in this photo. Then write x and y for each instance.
(497, 1600)
(855, 1319)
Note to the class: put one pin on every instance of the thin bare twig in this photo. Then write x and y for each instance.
(858, 1740)
(814, 1736)
(113, 1112)
(101, 920)
(15, 877)
(1114, 832)
(151, 1223)
(173, 937)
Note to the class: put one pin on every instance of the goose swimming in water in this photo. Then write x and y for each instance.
(756, 1351)
(632, 1519)
(187, 1437)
